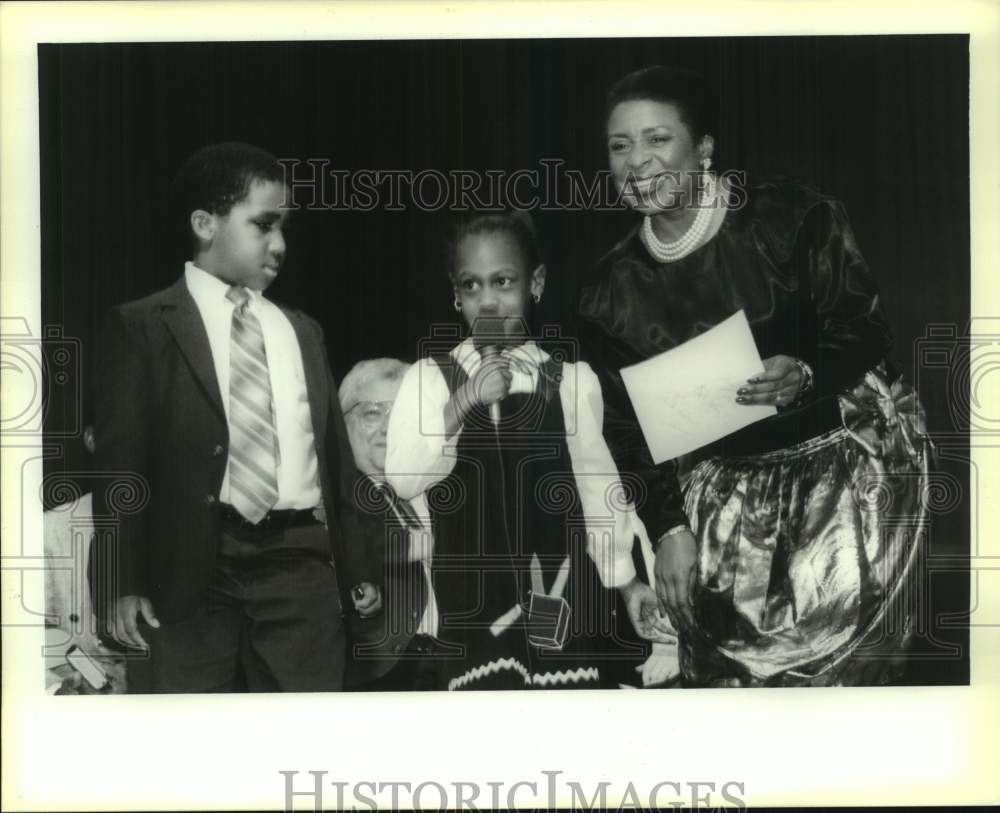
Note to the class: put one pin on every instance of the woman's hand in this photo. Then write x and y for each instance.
(780, 383)
(675, 575)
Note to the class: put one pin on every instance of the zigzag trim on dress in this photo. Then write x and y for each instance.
(490, 668)
(589, 673)
(574, 676)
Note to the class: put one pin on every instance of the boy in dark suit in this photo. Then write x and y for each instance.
(222, 401)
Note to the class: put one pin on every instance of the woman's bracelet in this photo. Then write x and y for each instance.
(676, 529)
(807, 380)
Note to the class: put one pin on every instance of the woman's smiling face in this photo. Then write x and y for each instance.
(652, 155)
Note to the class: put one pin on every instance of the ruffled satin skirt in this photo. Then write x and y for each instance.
(805, 572)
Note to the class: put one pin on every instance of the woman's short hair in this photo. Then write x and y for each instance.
(686, 89)
(364, 373)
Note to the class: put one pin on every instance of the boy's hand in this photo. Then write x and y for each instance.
(370, 600)
(123, 624)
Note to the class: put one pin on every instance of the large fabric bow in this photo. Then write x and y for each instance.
(885, 417)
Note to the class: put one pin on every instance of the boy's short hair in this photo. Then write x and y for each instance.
(219, 176)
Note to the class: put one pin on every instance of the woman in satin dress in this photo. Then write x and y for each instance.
(785, 554)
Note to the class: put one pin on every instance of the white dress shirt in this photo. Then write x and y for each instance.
(298, 469)
(419, 454)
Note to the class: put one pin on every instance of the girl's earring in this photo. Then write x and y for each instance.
(536, 298)
(458, 305)
(706, 164)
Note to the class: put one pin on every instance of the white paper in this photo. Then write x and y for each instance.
(685, 398)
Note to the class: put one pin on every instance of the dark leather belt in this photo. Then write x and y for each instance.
(276, 519)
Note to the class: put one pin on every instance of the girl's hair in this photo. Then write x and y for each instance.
(516, 224)
(684, 88)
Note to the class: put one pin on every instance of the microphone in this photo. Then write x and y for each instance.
(488, 352)
(488, 335)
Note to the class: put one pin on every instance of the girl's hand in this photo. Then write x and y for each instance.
(675, 574)
(491, 381)
(643, 611)
(780, 383)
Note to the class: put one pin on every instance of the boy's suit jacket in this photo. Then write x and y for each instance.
(160, 415)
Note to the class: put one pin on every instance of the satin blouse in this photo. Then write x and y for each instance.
(789, 259)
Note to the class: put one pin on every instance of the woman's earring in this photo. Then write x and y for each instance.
(458, 305)
(536, 298)
(706, 163)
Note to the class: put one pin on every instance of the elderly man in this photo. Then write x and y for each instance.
(391, 641)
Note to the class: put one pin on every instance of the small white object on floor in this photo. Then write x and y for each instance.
(662, 665)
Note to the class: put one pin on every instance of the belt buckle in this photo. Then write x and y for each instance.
(276, 519)
(243, 523)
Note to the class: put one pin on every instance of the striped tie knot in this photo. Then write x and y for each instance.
(239, 296)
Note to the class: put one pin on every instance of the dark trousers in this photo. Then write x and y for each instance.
(270, 622)
(417, 670)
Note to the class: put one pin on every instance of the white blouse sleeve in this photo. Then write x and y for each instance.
(418, 454)
(612, 523)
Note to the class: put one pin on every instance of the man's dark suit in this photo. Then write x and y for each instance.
(160, 414)
(377, 643)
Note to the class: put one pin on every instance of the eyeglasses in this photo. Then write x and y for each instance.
(371, 412)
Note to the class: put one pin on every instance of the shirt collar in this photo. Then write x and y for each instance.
(527, 355)
(418, 502)
(208, 289)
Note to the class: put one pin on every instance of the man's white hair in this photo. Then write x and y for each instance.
(363, 374)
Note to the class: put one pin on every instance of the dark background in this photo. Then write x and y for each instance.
(879, 121)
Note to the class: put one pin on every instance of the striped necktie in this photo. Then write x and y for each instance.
(402, 507)
(253, 442)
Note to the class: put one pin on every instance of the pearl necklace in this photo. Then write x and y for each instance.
(687, 242)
